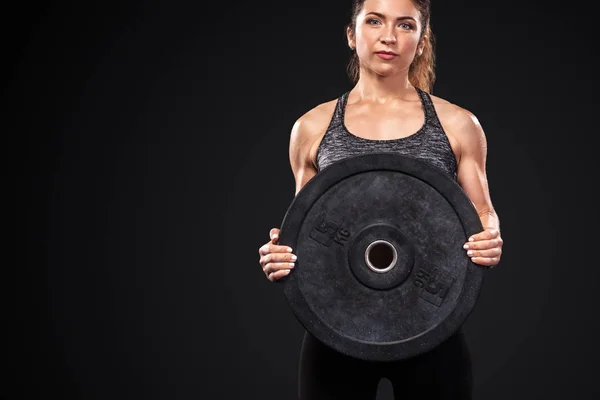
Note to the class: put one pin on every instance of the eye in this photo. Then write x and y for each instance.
(371, 21)
(406, 25)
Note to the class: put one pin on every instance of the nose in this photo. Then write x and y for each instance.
(388, 39)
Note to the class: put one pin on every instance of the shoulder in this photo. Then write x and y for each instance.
(454, 115)
(305, 137)
(308, 130)
(313, 122)
(458, 122)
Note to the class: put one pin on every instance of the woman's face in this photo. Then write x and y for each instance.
(387, 26)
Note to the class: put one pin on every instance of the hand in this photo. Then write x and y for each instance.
(276, 261)
(485, 248)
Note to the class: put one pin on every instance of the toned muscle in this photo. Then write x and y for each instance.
(469, 145)
(397, 119)
(305, 137)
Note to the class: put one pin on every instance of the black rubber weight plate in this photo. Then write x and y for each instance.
(381, 273)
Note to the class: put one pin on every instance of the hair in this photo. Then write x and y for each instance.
(421, 72)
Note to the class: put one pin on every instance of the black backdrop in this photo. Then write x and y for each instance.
(154, 162)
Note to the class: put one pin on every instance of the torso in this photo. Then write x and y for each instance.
(383, 125)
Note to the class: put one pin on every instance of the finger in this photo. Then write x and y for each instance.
(277, 266)
(483, 244)
(496, 252)
(278, 274)
(486, 261)
(264, 249)
(277, 258)
(274, 248)
(484, 235)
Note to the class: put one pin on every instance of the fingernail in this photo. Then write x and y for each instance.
(466, 246)
(470, 252)
(294, 257)
(287, 271)
(291, 265)
(471, 239)
(289, 249)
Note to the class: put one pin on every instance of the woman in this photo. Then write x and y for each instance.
(390, 110)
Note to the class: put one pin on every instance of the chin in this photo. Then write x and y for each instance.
(385, 72)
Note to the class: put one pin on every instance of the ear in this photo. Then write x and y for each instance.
(421, 46)
(350, 37)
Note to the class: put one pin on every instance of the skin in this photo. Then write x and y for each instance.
(384, 105)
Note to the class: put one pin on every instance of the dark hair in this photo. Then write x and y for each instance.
(421, 73)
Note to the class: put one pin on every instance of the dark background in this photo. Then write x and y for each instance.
(150, 147)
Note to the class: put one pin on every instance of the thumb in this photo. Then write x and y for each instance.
(274, 235)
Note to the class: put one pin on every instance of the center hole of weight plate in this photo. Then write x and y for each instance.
(381, 256)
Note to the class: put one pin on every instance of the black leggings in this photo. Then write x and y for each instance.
(442, 373)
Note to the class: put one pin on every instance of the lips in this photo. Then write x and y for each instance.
(386, 55)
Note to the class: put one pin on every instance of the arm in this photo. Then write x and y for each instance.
(471, 173)
(278, 260)
(304, 139)
(472, 177)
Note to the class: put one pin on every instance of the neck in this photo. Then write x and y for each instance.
(380, 89)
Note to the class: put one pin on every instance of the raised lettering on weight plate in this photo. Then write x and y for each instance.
(434, 286)
(329, 230)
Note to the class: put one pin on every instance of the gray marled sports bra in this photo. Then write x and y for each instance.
(429, 143)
